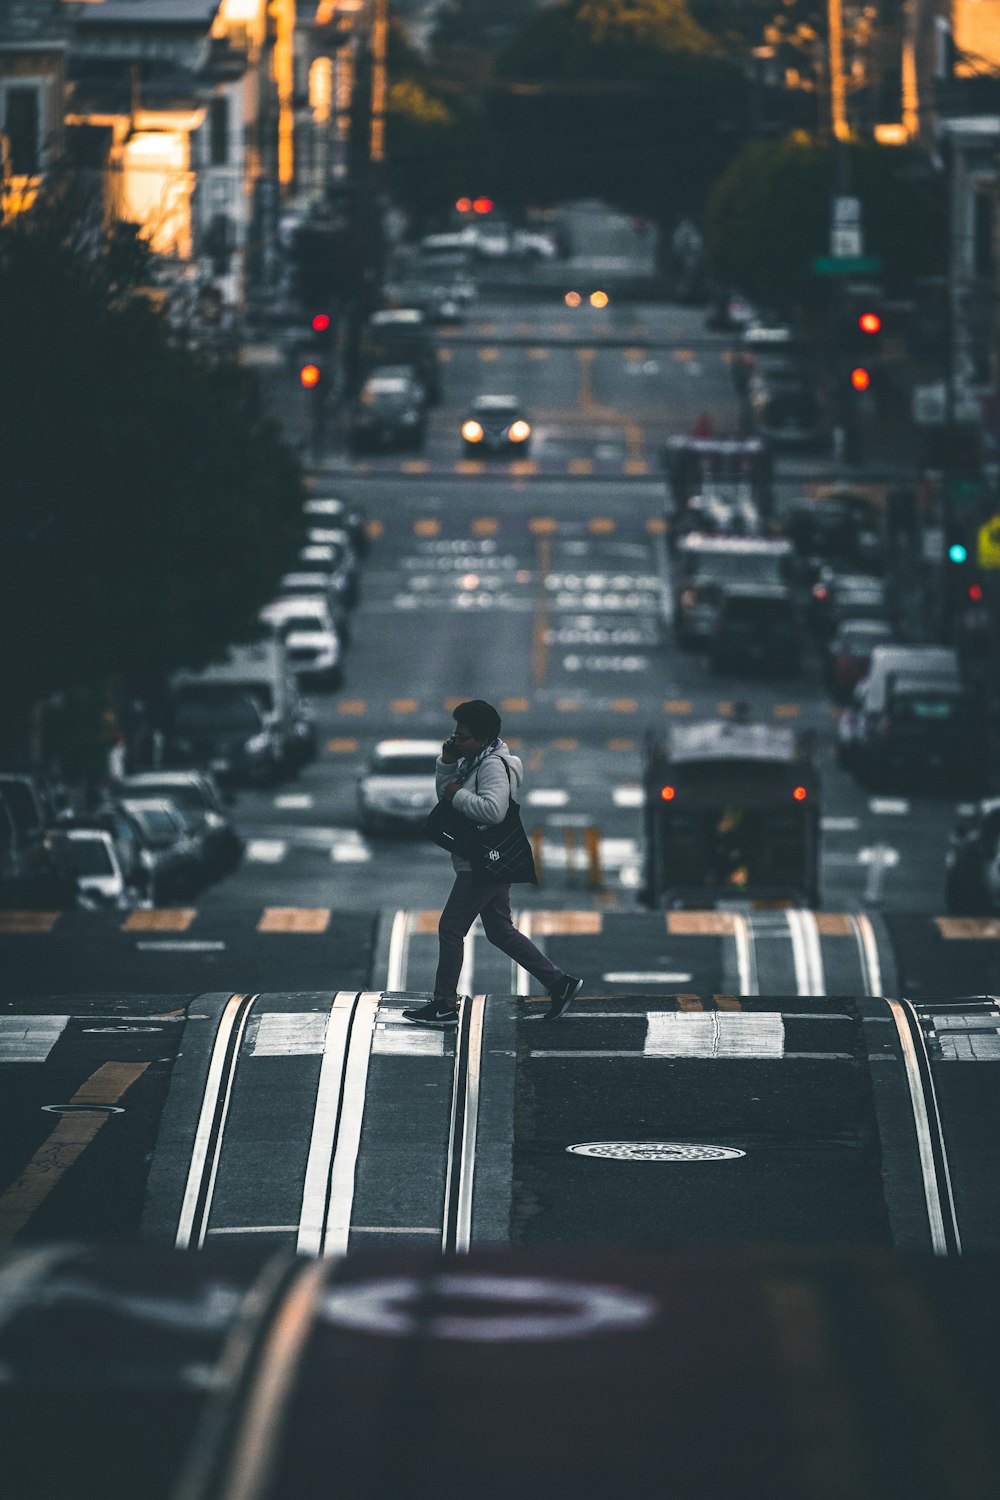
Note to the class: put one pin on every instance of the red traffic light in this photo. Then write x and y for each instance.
(869, 322)
(860, 378)
(482, 205)
(321, 322)
(668, 793)
(975, 592)
(464, 205)
(800, 794)
(310, 376)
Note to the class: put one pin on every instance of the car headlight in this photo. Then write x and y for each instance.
(472, 432)
(519, 432)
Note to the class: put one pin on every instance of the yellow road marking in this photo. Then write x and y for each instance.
(969, 928)
(515, 705)
(565, 744)
(601, 525)
(581, 466)
(536, 760)
(524, 328)
(786, 710)
(342, 746)
(450, 704)
(683, 356)
(833, 924)
(404, 705)
(624, 705)
(294, 919)
(689, 1002)
(656, 526)
(678, 706)
(162, 919)
(486, 328)
(415, 466)
(28, 921)
(701, 923)
(524, 466)
(64, 1144)
(444, 355)
(727, 1002)
(426, 921)
(426, 527)
(724, 708)
(567, 923)
(622, 746)
(489, 355)
(567, 705)
(586, 356)
(470, 466)
(635, 466)
(485, 526)
(538, 354)
(633, 437)
(353, 707)
(542, 525)
(374, 529)
(514, 741)
(635, 356)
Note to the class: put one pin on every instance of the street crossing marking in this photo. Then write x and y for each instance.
(426, 921)
(833, 924)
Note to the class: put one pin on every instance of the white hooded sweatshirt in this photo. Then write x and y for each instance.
(485, 797)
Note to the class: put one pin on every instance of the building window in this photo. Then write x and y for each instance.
(218, 132)
(22, 115)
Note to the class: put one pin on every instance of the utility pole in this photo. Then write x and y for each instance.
(379, 48)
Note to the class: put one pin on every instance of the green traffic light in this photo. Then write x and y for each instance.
(957, 553)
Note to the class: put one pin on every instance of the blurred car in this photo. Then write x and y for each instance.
(397, 788)
(913, 720)
(332, 512)
(843, 531)
(784, 410)
(174, 856)
(33, 869)
(972, 863)
(846, 596)
(390, 411)
(314, 644)
(315, 583)
(198, 795)
(849, 655)
(95, 868)
(342, 560)
(706, 565)
(221, 727)
(756, 627)
(496, 424)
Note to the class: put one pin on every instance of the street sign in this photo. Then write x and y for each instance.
(846, 265)
(988, 548)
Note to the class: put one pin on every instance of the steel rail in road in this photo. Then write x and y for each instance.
(933, 1156)
(203, 1168)
(807, 954)
(868, 955)
(463, 1127)
(328, 1190)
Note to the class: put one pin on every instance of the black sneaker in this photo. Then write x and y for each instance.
(562, 997)
(437, 1013)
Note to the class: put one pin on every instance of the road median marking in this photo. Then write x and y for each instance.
(294, 919)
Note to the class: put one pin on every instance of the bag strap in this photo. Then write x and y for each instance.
(510, 785)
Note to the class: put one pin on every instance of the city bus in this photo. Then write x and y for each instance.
(732, 815)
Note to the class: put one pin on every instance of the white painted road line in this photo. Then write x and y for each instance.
(628, 796)
(806, 952)
(627, 977)
(739, 1033)
(25, 1039)
(746, 959)
(547, 797)
(395, 979)
(316, 1188)
(294, 802)
(266, 851)
(893, 807)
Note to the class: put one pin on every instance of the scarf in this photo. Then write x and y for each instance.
(465, 767)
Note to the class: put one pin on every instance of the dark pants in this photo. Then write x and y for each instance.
(492, 903)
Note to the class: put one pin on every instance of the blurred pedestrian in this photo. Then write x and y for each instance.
(475, 753)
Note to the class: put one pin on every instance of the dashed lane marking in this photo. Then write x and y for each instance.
(470, 466)
(415, 466)
(567, 923)
(523, 466)
(833, 924)
(624, 705)
(628, 796)
(485, 526)
(515, 705)
(28, 921)
(656, 526)
(787, 710)
(543, 525)
(580, 466)
(489, 355)
(538, 354)
(547, 797)
(265, 851)
(160, 919)
(426, 526)
(635, 466)
(969, 928)
(404, 705)
(374, 529)
(565, 744)
(622, 747)
(353, 707)
(294, 801)
(426, 921)
(342, 746)
(893, 807)
(294, 919)
(601, 525)
(678, 706)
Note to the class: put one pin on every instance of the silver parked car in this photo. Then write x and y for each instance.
(397, 789)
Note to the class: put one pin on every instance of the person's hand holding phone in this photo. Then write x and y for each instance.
(449, 750)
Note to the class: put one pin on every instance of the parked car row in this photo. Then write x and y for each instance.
(152, 837)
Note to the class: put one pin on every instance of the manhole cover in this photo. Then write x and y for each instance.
(655, 1151)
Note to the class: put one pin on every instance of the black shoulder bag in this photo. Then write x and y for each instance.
(498, 853)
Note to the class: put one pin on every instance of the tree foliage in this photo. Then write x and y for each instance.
(621, 40)
(149, 505)
(769, 215)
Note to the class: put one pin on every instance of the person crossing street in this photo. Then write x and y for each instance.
(478, 774)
